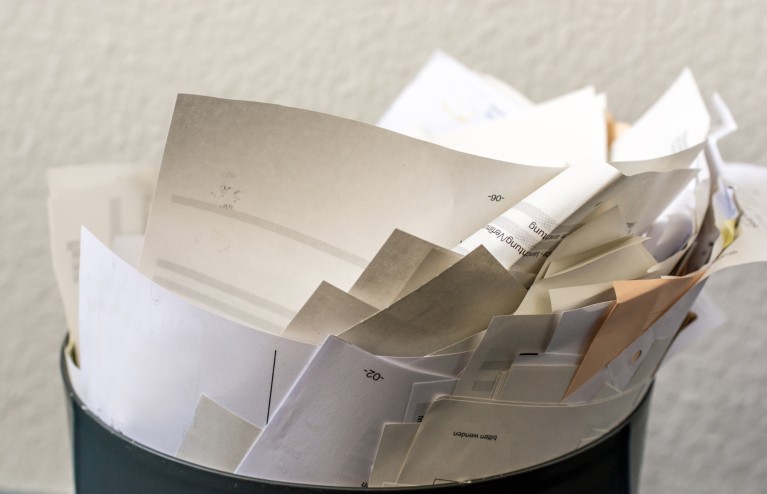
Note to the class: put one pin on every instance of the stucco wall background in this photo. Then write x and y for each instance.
(95, 81)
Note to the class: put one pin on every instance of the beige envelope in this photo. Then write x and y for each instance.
(639, 304)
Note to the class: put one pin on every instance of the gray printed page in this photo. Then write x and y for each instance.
(451, 307)
(390, 275)
(539, 378)
(328, 311)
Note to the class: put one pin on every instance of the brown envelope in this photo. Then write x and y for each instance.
(638, 305)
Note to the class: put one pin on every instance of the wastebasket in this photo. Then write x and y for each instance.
(105, 461)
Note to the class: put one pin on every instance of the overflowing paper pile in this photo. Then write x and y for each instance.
(327, 302)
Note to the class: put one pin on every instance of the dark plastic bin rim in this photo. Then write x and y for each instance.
(76, 401)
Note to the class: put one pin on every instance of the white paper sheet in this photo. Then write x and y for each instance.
(532, 228)
(468, 345)
(601, 230)
(539, 378)
(147, 355)
(557, 132)
(392, 450)
(443, 364)
(447, 95)
(678, 120)
(580, 296)
(626, 259)
(508, 338)
(576, 328)
(504, 340)
(329, 311)
(422, 396)
(217, 438)
(326, 432)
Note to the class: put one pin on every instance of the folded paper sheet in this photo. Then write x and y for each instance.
(327, 431)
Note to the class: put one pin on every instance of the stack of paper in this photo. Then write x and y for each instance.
(327, 302)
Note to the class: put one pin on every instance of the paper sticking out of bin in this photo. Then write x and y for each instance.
(325, 302)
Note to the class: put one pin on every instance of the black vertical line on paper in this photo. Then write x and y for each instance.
(271, 387)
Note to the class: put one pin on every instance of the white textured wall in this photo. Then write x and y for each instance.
(88, 81)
